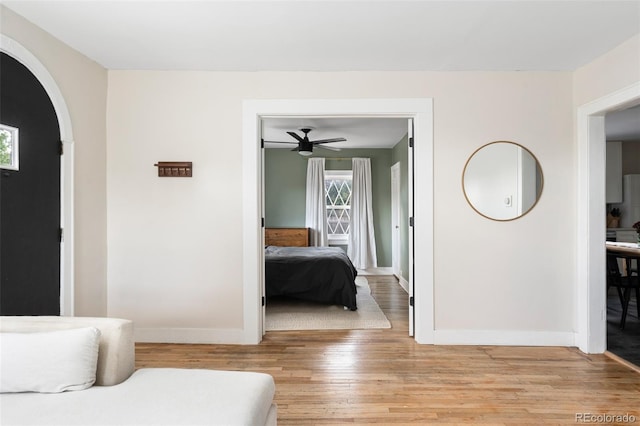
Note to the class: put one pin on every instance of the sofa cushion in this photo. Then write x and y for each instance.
(116, 356)
(52, 361)
(151, 397)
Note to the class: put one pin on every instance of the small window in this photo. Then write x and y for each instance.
(337, 184)
(8, 147)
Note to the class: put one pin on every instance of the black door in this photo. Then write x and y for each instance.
(29, 197)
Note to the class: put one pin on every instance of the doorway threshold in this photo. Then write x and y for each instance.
(622, 361)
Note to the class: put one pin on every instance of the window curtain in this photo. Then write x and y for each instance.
(362, 240)
(316, 209)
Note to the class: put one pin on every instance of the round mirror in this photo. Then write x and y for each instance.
(502, 180)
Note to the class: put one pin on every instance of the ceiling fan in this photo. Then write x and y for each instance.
(305, 146)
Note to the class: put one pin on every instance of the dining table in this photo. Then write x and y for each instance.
(630, 252)
(632, 249)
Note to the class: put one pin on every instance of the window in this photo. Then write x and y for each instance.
(8, 147)
(337, 184)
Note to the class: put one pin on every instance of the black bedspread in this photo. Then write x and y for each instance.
(319, 274)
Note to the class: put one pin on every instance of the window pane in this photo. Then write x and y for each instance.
(338, 221)
(332, 192)
(338, 195)
(8, 147)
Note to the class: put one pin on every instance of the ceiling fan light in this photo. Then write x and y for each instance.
(305, 153)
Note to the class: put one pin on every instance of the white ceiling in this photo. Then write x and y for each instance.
(325, 35)
(623, 125)
(359, 132)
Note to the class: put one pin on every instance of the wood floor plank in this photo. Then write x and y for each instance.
(337, 377)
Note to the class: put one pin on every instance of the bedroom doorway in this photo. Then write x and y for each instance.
(382, 141)
(420, 113)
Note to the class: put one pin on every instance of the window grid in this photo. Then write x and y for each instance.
(338, 199)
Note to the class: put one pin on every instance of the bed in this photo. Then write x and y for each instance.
(317, 274)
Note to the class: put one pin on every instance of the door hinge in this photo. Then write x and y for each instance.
(61, 148)
(411, 301)
(61, 235)
(411, 221)
(261, 143)
(263, 301)
(262, 222)
(411, 142)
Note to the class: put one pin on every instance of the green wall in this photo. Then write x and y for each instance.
(285, 183)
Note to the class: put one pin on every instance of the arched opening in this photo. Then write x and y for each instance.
(22, 55)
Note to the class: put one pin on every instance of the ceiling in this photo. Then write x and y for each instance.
(348, 35)
(360, 132)
(325, 35)
(623, 125)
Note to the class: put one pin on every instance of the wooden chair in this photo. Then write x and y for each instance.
(623, 283)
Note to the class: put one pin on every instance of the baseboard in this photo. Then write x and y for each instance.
(191, 335)
(404, 284)
(441, 337)
(381, 270)
(504, 338)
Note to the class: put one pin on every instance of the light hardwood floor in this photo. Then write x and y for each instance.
(384, 377)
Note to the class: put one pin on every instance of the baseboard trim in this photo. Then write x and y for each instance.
(504, 338)
(191, 335)
(381, 270)
(441, 337)
(404, 284)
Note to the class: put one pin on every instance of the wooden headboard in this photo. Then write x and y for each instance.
(286, 237)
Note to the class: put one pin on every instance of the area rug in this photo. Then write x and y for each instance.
(286, 314)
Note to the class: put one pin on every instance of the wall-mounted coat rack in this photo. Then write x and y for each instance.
(174, 168)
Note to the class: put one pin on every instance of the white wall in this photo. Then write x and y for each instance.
(175, 244)
(615, 70)
(83, 84)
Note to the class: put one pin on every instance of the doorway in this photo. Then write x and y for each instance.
(591, 333)
(30, 195)
(622, 131)
(381, 140)
(20, 53)
(420, 110)
(395, 219)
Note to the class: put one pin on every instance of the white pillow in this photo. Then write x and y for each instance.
(52, 361)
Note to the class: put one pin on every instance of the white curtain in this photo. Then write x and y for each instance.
(316, 211)
(362, 240)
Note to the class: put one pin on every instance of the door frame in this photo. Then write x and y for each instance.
(591, 307)
(26, 58)
(418, 109)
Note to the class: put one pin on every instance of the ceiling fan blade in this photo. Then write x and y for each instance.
(280, 142)
(296, 136)
(329, 140)
(329, 148)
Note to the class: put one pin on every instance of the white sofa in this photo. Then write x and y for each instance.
(120, 396)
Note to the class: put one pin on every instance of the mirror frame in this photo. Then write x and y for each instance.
(539, 195)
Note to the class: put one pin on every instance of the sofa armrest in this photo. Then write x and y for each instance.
(116, 356)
